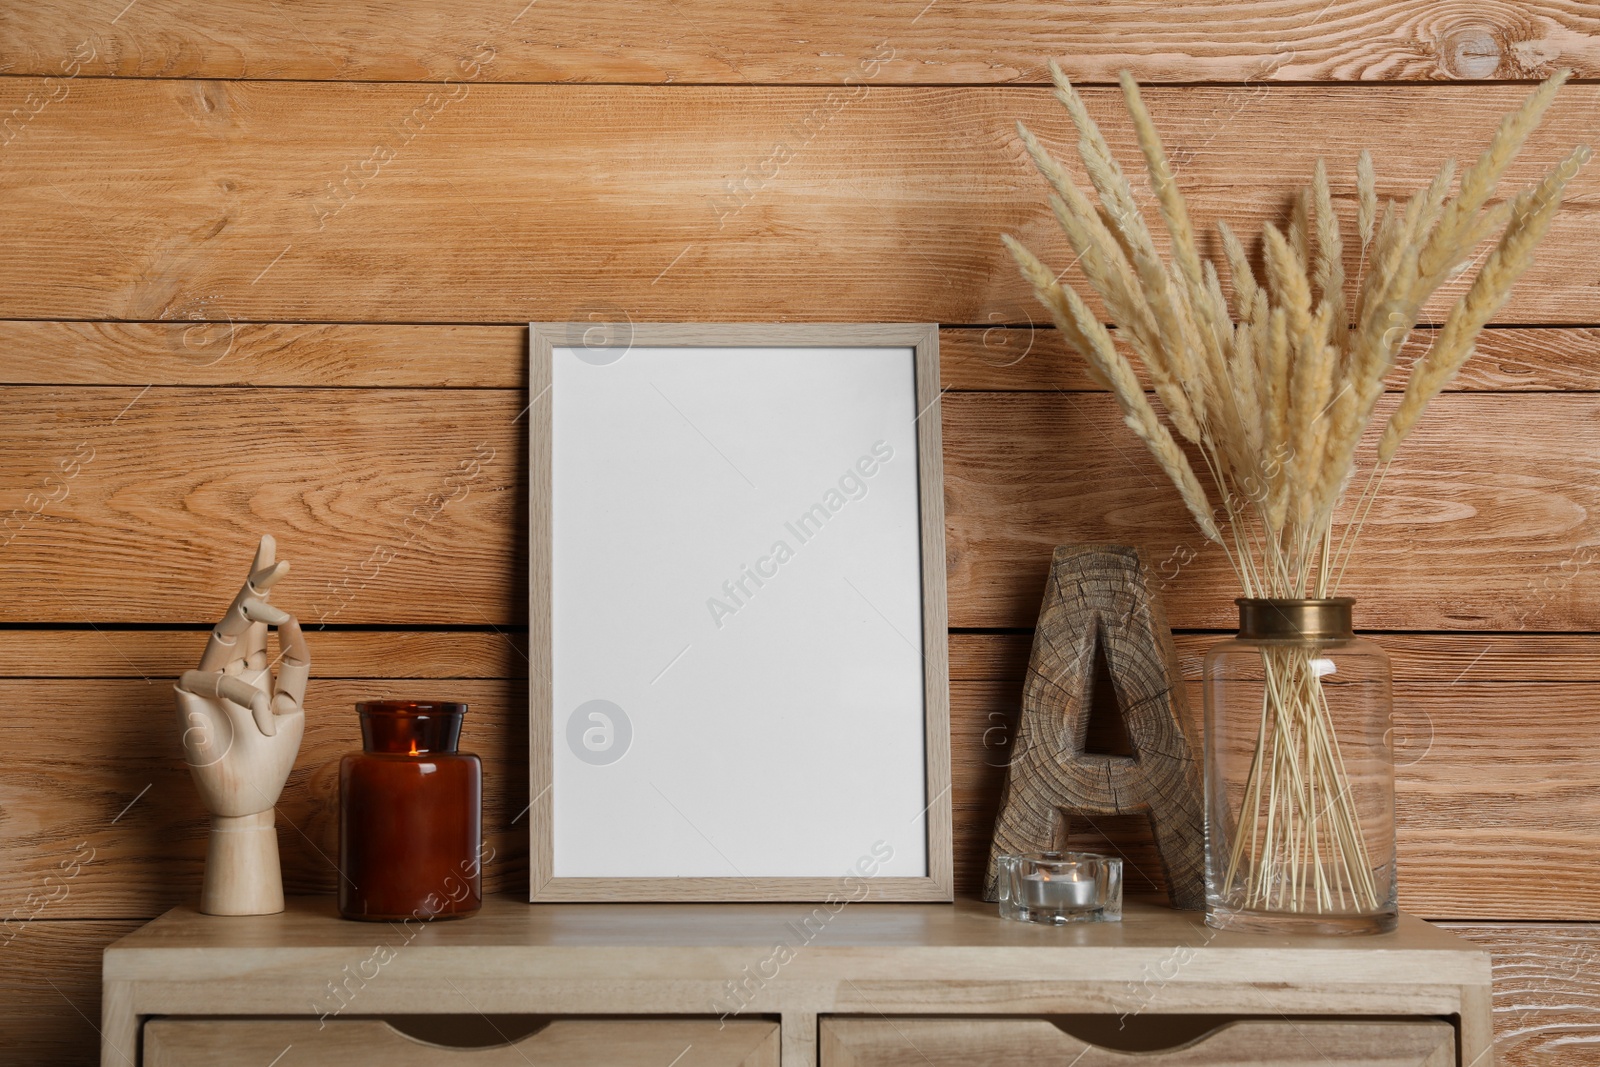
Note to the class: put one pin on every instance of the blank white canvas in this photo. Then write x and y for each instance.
(781, 734)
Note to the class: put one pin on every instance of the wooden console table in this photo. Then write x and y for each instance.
(873, 985)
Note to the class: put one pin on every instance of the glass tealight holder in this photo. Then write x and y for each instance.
(1056, 888)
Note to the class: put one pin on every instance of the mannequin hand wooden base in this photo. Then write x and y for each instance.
(242, 875)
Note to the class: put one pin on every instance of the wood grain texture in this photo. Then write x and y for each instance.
(764, 42)
(1546, 991)
(113, 653)
(1510, 497)
(418, 484)
(504, 203)
(1099, 608)
(192, 349)
(681, 945)
(1471, 779)
(887, 960)
(205, 352)
(406, 506)
(50, 985)
(935, 649)
(1508, 359)
(1546, 1007)
(103, 653)
(799, 1036)
(373, 1043)
(1447, 658)
(911, 1042)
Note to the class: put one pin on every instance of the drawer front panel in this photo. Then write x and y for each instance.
(910, 1042)
(372, 1043)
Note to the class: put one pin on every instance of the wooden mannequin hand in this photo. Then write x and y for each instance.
(241, 729)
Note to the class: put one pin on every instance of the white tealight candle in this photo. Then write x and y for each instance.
(1067, 891)
(1055, 888)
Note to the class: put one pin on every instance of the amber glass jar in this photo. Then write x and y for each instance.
(410, 815)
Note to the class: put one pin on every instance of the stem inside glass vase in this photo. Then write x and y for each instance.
(1299, 776)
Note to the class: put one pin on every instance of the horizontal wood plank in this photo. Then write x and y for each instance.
(204, 347)
(407, 506)
(50, 986)
(419, 482)
(1034, 359)
(1414, 657)
(1546, 991)
(207, 352)
(1501, 486)
(256, 201)
(112, 653)
(106, 777)
(450, 654)
(761, 42)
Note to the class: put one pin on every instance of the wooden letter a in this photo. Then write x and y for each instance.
(1099, 597)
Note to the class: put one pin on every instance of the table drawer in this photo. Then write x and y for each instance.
(911, 1042)
(373, 1043)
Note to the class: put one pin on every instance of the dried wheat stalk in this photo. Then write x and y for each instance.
(1275, 391)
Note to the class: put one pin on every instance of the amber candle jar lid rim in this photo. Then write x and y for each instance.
(411, 707)
(411, 727)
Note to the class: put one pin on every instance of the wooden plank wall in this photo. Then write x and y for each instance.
(264, 269)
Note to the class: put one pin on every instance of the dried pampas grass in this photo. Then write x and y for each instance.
(1275, 391)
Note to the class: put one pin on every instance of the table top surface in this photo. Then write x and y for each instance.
(505, 923)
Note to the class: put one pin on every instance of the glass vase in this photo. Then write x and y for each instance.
(1299, 770)
(410, 816)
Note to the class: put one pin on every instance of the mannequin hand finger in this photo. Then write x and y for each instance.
(253, 590)
(284, 707)
(289, 691)
(222, 649)
(264, 720)
(264, 579)
(260, 611)
(285, 745)
(292, 642)
(266, 552)
(254, 647)
(227, 687)
(265, 573)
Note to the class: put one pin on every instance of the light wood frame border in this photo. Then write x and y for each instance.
(938, 883)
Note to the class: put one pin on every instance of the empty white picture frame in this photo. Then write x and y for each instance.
(738, 681)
